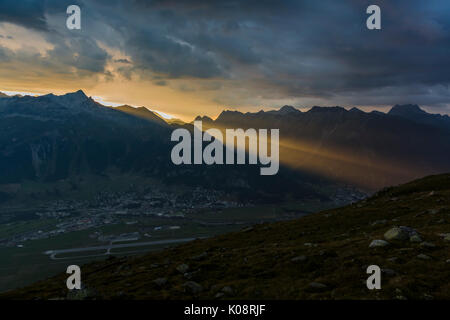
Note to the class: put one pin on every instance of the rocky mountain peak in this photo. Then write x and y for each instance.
(406, 109)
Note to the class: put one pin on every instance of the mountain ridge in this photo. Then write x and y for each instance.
(383, 148)
(53, 138)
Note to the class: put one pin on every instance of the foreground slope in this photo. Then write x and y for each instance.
(320, 256)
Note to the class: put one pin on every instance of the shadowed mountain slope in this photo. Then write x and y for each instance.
(371, 150)
(53, 138)
(320, 256)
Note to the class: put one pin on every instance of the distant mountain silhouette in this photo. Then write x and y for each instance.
(141, 112)
(49, 138)
(415, 113)
(285, 110)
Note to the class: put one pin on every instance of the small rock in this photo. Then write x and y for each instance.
(447, 237)
(219, 295)
(420, 214)
(228, 290)
(411, 231)
(317, 285)
(423, 256)
(415, 238)
(378, 243)
(193, 287)
(427, 296)
(396, 234)
(379, 222)
(81, 294)
(427, 245)
(299, 258)
(389, 272)
(183, 268)
(200, 256)
(393, 259)
(448, 261)
(160, 281)
(309, 244)
(248, 229)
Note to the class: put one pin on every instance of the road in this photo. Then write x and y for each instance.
(108, 248)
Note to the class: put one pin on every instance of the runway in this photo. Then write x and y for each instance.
(108, 248)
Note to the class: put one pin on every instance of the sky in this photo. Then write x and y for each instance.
(189, 58)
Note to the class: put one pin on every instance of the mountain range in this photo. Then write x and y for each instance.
(52, 138)
(369, 149)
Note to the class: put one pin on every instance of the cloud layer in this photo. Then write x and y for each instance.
(248, 53)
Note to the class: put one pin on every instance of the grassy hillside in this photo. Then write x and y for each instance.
(320, 256)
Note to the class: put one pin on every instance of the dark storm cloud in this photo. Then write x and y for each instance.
(303, 48)
(83, 54)
(70, 51)
(291, 49)
(174, 57)
(28, 13)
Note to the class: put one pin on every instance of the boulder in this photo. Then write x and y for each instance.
(401, 233)
(317, 286)
(309, 244)
(183, 268)
(427, 245)
(393, 259)
(378, 243)
(160, 281)
(389, 272)
(415, 238)
(298, 259)
(192, 287)
(228, 290)
(219, 295)
(379, 222)
(199, 257)
(82, 294)
(396, 234)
